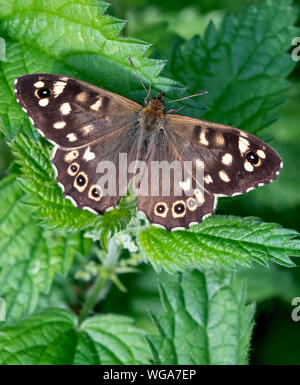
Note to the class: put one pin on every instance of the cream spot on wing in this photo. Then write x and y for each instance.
(202, 138)
(44, 102)
(71, 156)
(224, 176)
(219, 140)
(199, 196)
(248, 166)
(260, 184)
(208, 179)
(261, 154)
(71, 199)
(96, 105)
(86, 130)
(243, 145)
(58, 88)
(81, 181)
(178, 209)
(161, 209)
(236, 193)
(65, 108)
(24, 109)
(81, 97)
(73, 169)
(31, 120)
(185, 185)
(72, 137)
(191, 204)
(89, 155)
(95, 193)
(227, 159)
(59, 125)
(39, 84)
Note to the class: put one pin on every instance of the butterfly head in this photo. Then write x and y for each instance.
(156, 106)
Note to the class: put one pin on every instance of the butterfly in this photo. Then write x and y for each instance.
(91, 128)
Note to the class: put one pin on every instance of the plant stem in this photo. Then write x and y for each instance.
(99, 285)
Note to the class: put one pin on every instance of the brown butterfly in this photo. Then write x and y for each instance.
(101, 141)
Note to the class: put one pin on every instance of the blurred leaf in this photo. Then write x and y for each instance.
(52, 338)
(220, 241)
(242, 65)
(162, 27)
(141, 297)
(205, 320)
(262, 283)
(277, 336)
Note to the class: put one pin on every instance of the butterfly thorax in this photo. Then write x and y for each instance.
(152, 113)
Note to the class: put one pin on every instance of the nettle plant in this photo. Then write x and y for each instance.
(205, 318)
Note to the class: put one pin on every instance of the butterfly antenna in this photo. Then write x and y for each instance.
(187, 97)
(139, 77)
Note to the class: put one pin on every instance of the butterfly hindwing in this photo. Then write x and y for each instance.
(167, 195)
(90, 176)
(69, 112)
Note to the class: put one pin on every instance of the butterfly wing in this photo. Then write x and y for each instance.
(234, 161)
(164, 195)
(71, 113)
(225, 162)
(95, 177)
(89, 127)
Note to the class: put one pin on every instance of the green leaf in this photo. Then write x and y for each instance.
(205, 320)
(113, 221)
(29, 256)
(52, 338)
(242, 64)
(114, 339)
(220, 241)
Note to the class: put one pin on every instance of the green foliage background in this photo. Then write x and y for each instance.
(82, 289)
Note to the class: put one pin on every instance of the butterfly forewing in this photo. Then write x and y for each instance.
(234, 161)
(89, 127)
(71, 113)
